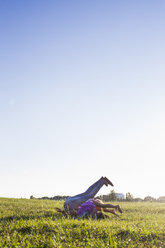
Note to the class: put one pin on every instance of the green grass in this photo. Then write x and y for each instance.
(35, 223)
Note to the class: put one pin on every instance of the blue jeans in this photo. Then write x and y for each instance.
(75, 201)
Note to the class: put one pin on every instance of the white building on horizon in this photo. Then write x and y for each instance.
(120, 196)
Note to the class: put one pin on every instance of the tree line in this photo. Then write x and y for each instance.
(112, 196)
(56, 197)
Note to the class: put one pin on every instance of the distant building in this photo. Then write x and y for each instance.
(120, 196)
(161, 199)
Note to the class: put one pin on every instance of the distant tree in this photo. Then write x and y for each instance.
(112, 196)
(56, 197)
(138, 199)
(32, 197)
(149, 198)
(129, 197)
(45, 198)
(161, 199)
(104, 198)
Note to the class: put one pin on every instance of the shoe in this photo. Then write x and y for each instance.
(105, 181)
(108, 181)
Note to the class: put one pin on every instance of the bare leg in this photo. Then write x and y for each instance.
(102, 205)
(112, 211)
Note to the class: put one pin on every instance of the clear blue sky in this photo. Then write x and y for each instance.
(82, 95)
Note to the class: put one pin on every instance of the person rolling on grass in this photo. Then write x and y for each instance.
(84, 204)
(95, 208)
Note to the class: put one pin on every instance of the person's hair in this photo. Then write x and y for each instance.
(100, 215)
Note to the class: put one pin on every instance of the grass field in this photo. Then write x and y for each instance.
(35, 223)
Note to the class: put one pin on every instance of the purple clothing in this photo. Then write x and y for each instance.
(87, 207)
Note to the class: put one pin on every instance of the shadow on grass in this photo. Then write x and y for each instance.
(43, 229)
(143, 237)
(53, 216)
(44, 215)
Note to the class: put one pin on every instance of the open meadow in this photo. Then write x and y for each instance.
(35, 223)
